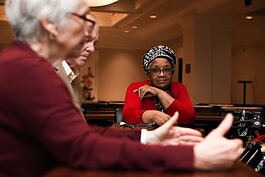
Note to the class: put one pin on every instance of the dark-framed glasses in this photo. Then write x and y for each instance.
(83, 17)
(157, 71)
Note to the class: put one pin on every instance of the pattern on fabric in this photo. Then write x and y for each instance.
(159, 51)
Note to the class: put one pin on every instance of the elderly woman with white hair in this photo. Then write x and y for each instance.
(40, 128)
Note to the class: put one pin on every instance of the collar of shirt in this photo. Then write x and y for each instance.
(69, 72)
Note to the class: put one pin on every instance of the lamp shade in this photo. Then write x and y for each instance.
(97, 3)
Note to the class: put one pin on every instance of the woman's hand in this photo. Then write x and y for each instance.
(146, 91)
(155, 116)
(170, 134)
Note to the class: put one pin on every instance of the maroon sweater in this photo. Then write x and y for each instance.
(134, 107)
(40, 128)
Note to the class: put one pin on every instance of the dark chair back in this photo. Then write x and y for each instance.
(118, 115)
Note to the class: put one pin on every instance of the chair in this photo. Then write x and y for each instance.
(118, 115)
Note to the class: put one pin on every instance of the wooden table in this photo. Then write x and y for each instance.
(101, 118)
(240, 170)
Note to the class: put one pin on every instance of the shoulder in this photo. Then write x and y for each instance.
(25, 64)
(33, 75)
(61, 71)
(28, 67)
(177, 85)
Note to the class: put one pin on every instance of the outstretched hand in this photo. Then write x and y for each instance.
(170, 134)
(216, 151)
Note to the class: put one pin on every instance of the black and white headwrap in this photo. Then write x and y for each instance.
(160, 51)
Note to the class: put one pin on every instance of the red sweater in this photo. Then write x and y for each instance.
(134, 107)
(40, 128)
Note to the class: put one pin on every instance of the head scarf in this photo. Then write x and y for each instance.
(160, 51)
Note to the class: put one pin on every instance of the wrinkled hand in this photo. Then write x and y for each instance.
(146, 91)
(169, 134)
(216, 151)
(155, 116)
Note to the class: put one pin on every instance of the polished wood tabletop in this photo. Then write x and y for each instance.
(240, 170)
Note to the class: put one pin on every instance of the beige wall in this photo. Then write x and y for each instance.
(248, 63)
(207, 49)
(117, 69)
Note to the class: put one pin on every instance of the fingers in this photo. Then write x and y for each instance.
(189, 131)
(239, 151)
(190, 138)
(161, 134)
(187, 141)
(238, 146)
(172, 121)
(138, 91)
(225, 125)
(143, 90)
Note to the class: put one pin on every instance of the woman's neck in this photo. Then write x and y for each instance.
(46, 50)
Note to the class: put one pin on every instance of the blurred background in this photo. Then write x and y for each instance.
(220, 45)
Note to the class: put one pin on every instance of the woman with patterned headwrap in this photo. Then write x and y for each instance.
(157, 99)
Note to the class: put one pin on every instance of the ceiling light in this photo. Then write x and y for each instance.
(97, 3)
(153, 16)
(249, 17)
(126, 31)
(134, 27)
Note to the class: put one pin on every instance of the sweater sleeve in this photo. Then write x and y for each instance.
(132, 111)
(182, 104)
(126, 133)
(85, 149)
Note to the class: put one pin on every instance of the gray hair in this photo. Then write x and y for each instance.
(24, 16)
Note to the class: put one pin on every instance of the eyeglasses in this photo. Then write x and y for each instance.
(157, 71)
(84, 17)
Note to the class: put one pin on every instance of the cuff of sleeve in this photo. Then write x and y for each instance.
(143, 136)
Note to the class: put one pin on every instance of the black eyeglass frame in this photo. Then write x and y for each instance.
(155, 71)
(83, 17)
